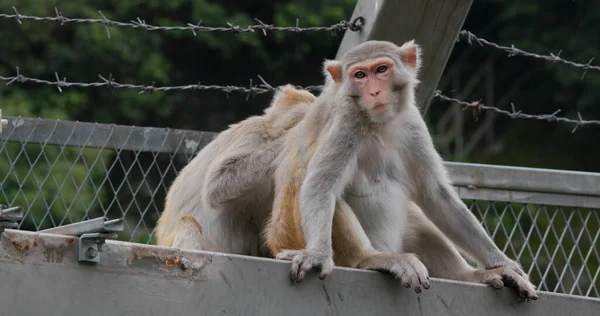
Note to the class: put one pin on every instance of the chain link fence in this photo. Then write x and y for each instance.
(63, 172)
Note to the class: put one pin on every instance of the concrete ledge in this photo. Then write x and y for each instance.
(40, 275)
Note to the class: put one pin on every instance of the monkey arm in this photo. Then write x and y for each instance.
(328, 171)
(239, 173)
(433, 192)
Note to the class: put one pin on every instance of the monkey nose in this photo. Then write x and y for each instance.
(376, 93)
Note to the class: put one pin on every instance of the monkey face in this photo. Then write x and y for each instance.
(379, 77)
(372, 79)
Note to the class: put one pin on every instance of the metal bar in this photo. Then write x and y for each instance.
(149, 280)
(555, 199)
(96, 225)
(524, 179)
(434, 25)
(104, 136)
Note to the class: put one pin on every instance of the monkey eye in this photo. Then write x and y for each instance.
(359, 74)
(382, 69)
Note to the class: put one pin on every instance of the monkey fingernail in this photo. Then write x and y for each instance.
(418, 289)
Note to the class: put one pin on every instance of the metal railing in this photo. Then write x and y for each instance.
(63, 172)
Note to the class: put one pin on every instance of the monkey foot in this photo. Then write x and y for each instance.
(304, 260)
(405, 267)
(506, 276)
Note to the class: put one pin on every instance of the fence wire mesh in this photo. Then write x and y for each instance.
(63, 172)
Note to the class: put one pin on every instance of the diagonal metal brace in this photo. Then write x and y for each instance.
(10, 217)
(96, 225)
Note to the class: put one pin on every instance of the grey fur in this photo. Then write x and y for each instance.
(354, 147)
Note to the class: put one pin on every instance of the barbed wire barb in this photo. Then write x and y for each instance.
(139, 23)
(513, 51)
(106, 22)
(518, 114)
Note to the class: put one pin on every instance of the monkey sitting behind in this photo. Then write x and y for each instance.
(219, 201)
(355, 173)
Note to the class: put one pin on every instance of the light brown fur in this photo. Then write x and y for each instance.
(211, 182)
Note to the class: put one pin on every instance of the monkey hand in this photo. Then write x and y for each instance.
(512, 275)
(304, 260)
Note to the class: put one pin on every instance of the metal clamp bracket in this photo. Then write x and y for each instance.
(90, 246)
(92, 235)
(3, 122)
(10, 217)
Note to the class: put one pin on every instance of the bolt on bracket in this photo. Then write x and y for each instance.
(90, 246)
(10, 217)
(3, 122)
(92, 235)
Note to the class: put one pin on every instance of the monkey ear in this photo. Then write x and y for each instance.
(410, 53)
(332, 69)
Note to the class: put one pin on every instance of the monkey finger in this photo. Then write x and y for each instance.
(409, 280)
(497, 283)
(326, 269)
(425, 282)
(295, 268)
(494, 280)
(302, 274)
(418, 289)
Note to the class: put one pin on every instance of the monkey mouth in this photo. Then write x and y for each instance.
(378, 106)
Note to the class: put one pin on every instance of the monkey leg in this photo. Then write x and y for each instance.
(216, 235)
(188, 233)
(436, 251)
(443, 260)
(284, 232)
(352, 247)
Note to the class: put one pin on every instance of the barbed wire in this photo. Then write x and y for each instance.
(109, 82)
(477, 107)
(343, 25)
(513, 51)
(264, 87)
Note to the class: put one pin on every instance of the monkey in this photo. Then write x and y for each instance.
(219, 200)
(359, 183)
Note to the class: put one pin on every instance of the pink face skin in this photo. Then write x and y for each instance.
(372, 78)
